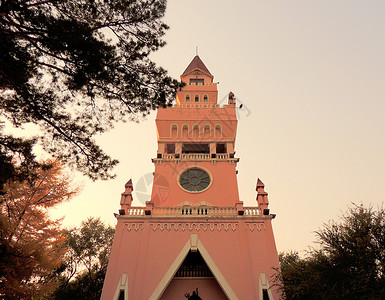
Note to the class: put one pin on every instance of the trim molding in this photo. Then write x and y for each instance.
(194, 244)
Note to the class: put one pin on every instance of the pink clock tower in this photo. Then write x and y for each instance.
(194, 239)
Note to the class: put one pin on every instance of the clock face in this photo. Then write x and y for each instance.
(194, 180)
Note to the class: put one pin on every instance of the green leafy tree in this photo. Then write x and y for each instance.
(88, 250)
(349, 263)
(74, 68)
(31, 244)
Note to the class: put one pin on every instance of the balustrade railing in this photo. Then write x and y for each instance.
(135, 211)
(252, 211)
(191, 211)
(196, 156)
(194, 211)
(193, 271)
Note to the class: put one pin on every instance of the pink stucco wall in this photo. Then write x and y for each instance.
(146, 254)
(209, 289)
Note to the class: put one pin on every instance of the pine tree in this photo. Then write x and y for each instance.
(75, 68)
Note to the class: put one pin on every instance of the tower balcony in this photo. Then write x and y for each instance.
(196, 157)
(192, 212)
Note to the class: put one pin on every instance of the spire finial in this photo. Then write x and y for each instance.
(196, 50)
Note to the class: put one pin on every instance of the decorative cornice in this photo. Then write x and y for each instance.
(258, 226)
(133, 226)
(193, 226)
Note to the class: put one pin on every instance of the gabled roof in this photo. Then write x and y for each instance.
(197, 63)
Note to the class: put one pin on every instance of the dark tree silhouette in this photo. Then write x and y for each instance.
(349, 264)
(75, 68)
(86, 260)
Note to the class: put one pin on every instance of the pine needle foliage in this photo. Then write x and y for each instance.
(75, 68)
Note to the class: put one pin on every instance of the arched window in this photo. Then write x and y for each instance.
(174, 131)
(218, 131)
(185, 131)
(207, 131)
(187, 98)
(196, 132)
(205, 98)
(196, 98)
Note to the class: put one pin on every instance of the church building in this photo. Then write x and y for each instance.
(194, 239)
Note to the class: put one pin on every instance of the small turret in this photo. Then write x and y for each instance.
(126, 199)
(262, 199)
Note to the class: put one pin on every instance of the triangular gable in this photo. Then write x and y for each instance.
(193, 244)
(198, 72)
(194, 266)
(197, 64)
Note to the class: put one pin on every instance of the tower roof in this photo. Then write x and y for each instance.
(260, 183)
(197, 63)
(128, 183)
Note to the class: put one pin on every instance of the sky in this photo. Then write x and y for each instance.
(311, 78)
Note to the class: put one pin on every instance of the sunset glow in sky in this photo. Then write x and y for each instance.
(311, 78)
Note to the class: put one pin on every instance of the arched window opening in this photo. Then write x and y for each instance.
(205, 98)
(185, 131)
(207, 131)
(187, 98)
(196, 98)
(218, 131)
(174, 131)
(196, 132)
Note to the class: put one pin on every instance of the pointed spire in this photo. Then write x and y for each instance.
(262, 196)
(260, 183)
(129, 184)
(126, 197)
(197, 63)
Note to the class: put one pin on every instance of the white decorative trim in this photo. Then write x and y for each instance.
(122, 286)
(216, 272)
(135, 226)
(226, 226)
(264, 285)
(170, 273)
(188, 203)
(258, 226)
(194, 242)
(163, 284)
